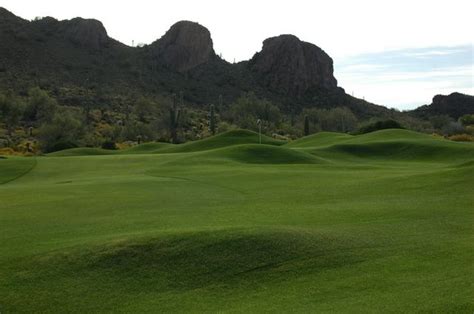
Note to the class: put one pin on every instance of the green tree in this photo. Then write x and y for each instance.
(440, 121)
(467, 119)
(380, 125)
(145, 109)
(40, 106)
(339, 119)
(134, 129)
(248, 108)
(63, 131)
(11, 111)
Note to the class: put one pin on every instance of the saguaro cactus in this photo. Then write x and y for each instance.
(306, 125)
(175, 113)
(212, 120)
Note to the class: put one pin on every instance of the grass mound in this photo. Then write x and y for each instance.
(265, 154)
(146, 148)
(384, 145)
(180, 263)
(467, 164)
(324, 139)
(234, 137)
(82, 151)
(405, 150)
(13, 168)
(390, 135)
(319, 139)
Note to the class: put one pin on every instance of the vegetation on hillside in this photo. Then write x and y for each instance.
(37, 122)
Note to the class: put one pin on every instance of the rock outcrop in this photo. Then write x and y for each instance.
(453, 105)
(292, 66)
(87, 33)
(184, 46)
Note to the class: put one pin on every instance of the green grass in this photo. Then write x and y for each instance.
(230, 138)
(380, 222)
(13, 168)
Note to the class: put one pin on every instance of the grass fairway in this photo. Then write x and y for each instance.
(381, 222)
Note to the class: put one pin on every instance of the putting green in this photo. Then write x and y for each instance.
(381, 222)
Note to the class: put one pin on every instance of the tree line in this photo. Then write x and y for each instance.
(38, 122)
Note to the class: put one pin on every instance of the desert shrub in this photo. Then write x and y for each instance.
(440, 121)
(470, 129)
(7, 151)
(109, 145)
(132, 129)
(60, 145)
(380, 125)
(467, 119)
(462, 138)
(225, 126)
(339, 119)
(92, 139)
(453, 128)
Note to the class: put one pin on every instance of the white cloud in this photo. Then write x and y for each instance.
(464, 71)
(408, 90)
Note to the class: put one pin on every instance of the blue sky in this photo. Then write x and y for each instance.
(407, 78)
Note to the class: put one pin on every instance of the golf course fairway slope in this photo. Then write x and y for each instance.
(380, 222)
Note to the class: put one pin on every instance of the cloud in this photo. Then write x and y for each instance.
(408, 78)
(431, 53)
(380, 74)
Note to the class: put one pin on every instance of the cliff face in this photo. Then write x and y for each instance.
(86, 33)
(184, 46)
(289, 65)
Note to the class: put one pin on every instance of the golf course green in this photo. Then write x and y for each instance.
(379, 222)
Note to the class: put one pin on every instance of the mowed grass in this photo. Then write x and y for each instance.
(381, 222)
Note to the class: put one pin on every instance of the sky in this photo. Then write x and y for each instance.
(395, 53)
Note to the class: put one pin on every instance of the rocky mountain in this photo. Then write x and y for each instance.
(293, 66)
(77, 56)
(185, 46)
(453, 105)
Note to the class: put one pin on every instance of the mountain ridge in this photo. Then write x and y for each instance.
(79, 53)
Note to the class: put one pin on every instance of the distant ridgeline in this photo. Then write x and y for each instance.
(454, 105)
(72, 57)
